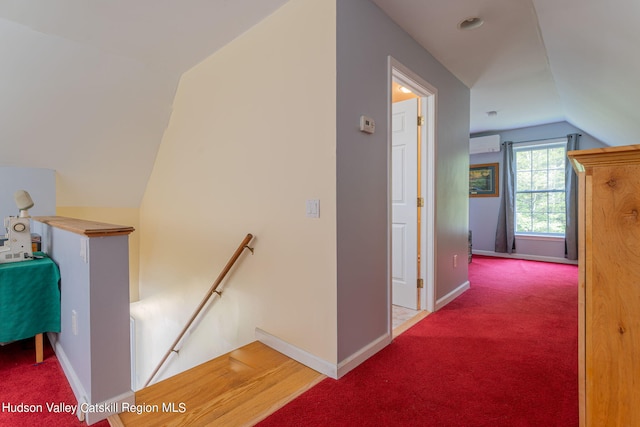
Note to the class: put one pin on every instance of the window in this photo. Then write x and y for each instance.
(540, 189)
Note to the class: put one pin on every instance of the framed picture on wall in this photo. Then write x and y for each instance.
(483, 180)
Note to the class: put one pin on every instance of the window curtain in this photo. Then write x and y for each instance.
(571, 202)
(505, 236)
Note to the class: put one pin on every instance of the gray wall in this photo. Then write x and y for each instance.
(365, 39)
(94, 288)
(483, 211)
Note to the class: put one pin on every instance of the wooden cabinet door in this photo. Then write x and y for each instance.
(612, 299)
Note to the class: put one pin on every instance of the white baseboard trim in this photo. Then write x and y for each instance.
(312, 361)
(327, 368)
(525, 257)
(441, 302)
(76, 386)
(357, 358)
(93, 412)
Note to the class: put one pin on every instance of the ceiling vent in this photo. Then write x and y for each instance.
(484, 144)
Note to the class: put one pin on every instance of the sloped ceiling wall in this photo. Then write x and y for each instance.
(86, 88)
(592, 48)
(537, 61)
(96, 118)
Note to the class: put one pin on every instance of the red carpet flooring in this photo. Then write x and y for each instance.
(22, 382)
(502, 354)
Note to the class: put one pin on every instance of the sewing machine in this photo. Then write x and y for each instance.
(16, 246)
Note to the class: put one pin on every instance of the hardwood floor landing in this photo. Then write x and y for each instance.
(237, 389)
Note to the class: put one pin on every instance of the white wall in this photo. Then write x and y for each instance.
(251, 138)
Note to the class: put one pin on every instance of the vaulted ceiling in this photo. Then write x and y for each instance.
(537, 61)
(86, 87)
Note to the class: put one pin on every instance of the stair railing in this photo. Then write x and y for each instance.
(213, 290)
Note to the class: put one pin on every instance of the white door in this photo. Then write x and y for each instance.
(404, 194)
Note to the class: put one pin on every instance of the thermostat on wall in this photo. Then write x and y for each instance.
(367, 124)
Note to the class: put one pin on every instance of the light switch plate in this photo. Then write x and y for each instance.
(313, 208)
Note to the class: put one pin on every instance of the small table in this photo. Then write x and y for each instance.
(29, 300)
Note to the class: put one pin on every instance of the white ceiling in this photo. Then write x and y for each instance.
(86, 87)
(537, 61)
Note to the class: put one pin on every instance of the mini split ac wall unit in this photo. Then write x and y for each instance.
(484, 144)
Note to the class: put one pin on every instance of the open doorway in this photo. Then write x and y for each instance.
(411, 143)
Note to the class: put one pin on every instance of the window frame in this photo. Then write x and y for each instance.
(540, 144)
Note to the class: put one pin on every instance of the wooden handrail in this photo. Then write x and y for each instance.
(213, 290)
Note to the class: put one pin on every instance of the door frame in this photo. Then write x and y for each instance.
(428, 101)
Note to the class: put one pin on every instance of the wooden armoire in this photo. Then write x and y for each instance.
(609, 287)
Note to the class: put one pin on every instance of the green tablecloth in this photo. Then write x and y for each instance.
(29, 299)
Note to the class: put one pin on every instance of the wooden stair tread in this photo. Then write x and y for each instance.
(235, 389)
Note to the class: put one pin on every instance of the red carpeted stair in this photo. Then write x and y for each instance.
(502, 354)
